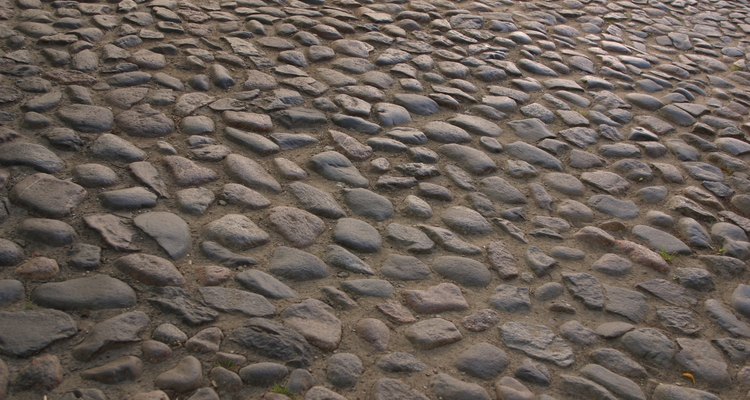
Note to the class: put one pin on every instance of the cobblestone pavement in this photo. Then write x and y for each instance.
(385, 200)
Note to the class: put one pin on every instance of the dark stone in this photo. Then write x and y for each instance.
(273, 340)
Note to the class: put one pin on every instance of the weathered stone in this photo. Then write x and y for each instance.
(237, 232)
(176, 300)
(94, 292)
(48, 195)
(231, 300)
(127, 368)
(150, 270)
(432, 333)
(316, 322)
(273, 340)
(537, 341)
(436, 299)
(27, 332)
(299, 227)
(87, 118)
(186, 376)
(296, 265)
(123, 328)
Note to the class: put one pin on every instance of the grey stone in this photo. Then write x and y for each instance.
(483, 361)
(315, 321)
(47, 231)
(539, 262)
(400, 362)
(669, 292)
(627, 303)
(250, 173)
(368, 204)
(111, 147)
(695, 278)
(357, 235)
(27, 332)
(465, 271)
(449, 388)
(510, 299)
(265, 284)
(444, 132)
(299, 227)
(393, 389)
(368, 287)
(723, 266)
(679, 319)
(31, 155)
(725, 319)
(436, 299)
(231, 300)
(11, 291)
(188, 173)
(529, 371)
(410, 238)
(531, 130)
(618, 385)
(432, 333)
(144, 121)
(577, 333)
(586, 288)
(674, 392)
(741, 299)
(735, 349)
(321, 393)
(533, 155)
(195, 201)
(417, 104)
(236, 231)
(339, 257)
(652, 345)
(606, 204)
(169, 230)
(476, 125)
(94, 292)
(606, 181)
(537, 341)
(613, 265)
(127, 368)
(466, 221)
(296, 265)
(617, 362)
(263, 373)
(128, 199)
(316, 200)
(344, 369)
(577, 386)
(243, 196)
(43, 373)
(660, 241)
(472, 160)
(273, 340)
(704, 361)
(336, 167)
(186, 376)
(48, 195)
(123, 328)
(114, 230)
(375, 332)
(87, 118)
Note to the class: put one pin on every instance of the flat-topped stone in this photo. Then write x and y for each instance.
(94, 292)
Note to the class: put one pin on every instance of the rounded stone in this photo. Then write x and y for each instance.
(357, 235)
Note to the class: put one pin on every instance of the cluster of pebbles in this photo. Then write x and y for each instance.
(374, 199)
